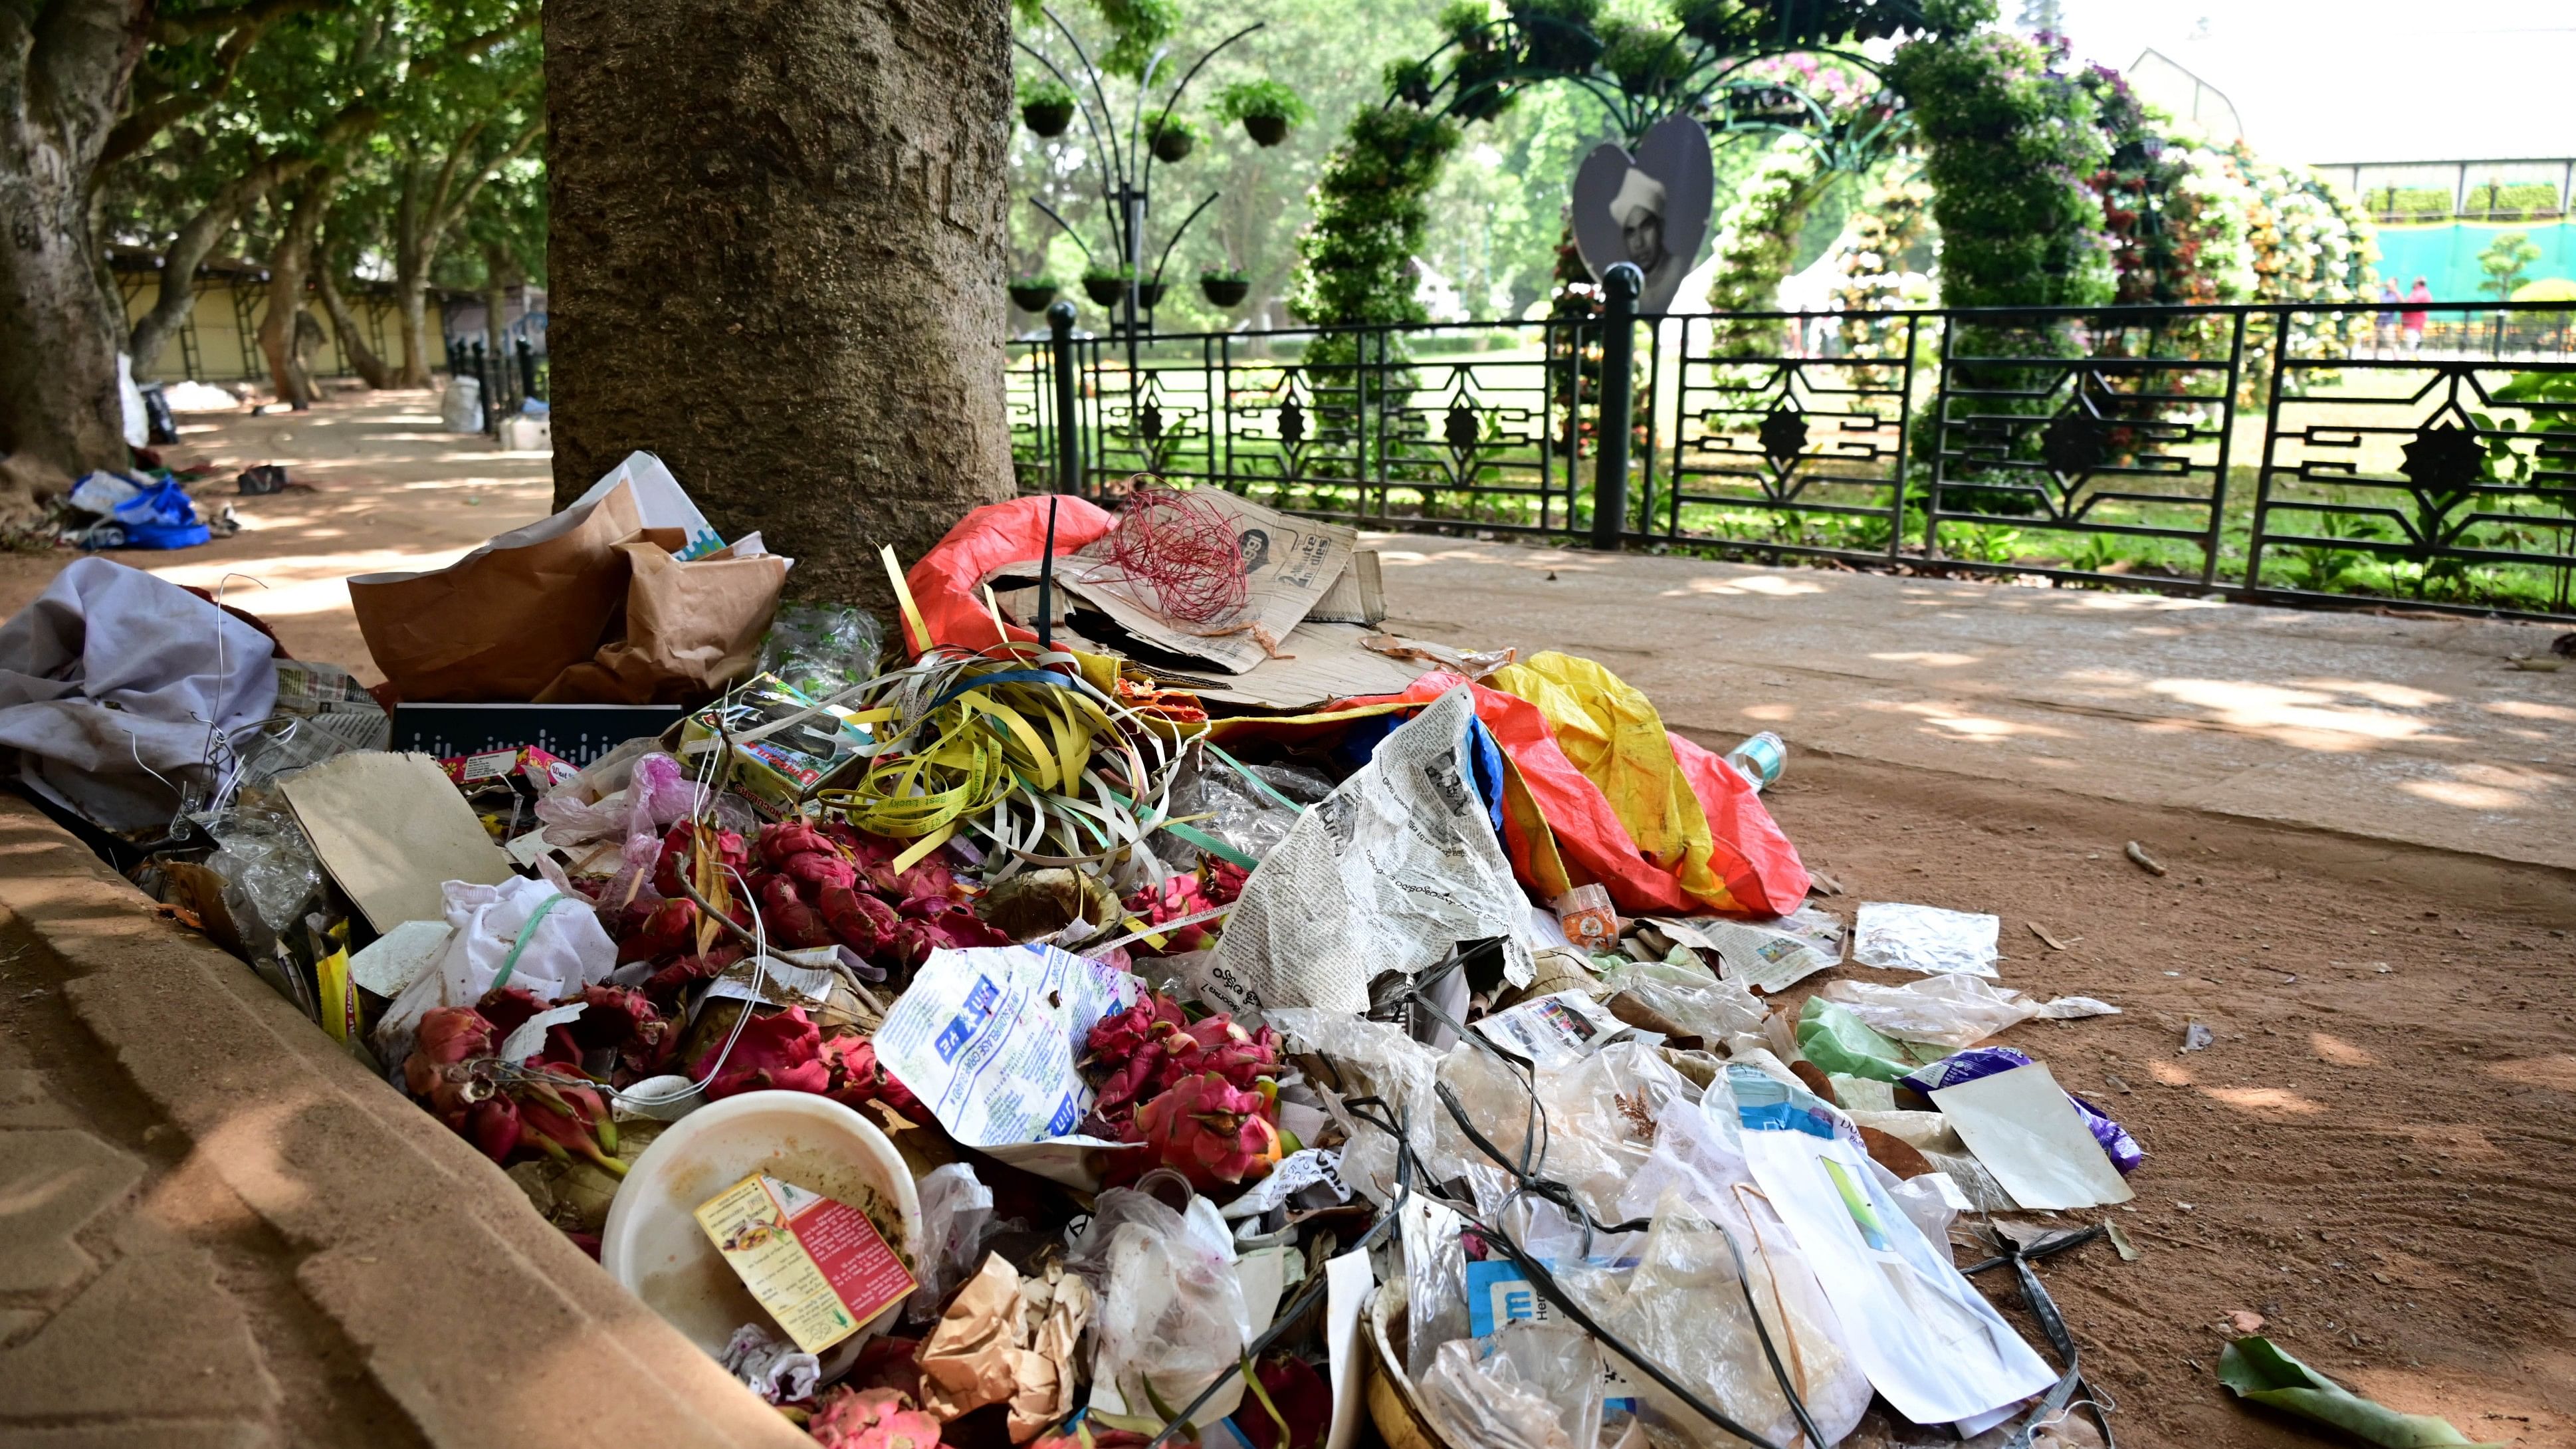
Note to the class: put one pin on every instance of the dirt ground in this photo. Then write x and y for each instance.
(2364, 1155)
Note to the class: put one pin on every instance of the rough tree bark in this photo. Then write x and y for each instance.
(64, 69)
(188, 248)
(776, 261)
(289, 265)
(371, 369)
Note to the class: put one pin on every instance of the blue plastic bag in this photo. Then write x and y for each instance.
(161, 516)
(1967, 1066)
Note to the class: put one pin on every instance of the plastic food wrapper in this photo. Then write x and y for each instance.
(1967, 1066)
(1683, 993)
(1371, 1058)
(820, 649)
(1927, 1339)
(265, 859)
(988, 1040)
(1250, 817)
(1392, 872)
(1172, 1316)
(1488, 1404)
(956, 1213)
(785, 744)
(1588, 919)
(1925, 938)
(521, 933)
(1951, 1010)
(1551, 1031)
(1006, 1339)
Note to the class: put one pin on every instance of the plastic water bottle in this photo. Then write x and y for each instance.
(1759, 759)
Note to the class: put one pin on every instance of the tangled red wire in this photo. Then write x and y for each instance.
(1185, 550)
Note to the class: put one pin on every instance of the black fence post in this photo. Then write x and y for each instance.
(1619, 288)
(527, 368)
(1068, 445)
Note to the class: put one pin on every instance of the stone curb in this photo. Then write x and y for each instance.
(481, 1321)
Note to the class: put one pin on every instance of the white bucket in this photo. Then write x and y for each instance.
(653, 1243)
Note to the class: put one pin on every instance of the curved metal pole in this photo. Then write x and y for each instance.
(1098, 147)
(1174, 99)
(1068, 226)
(1183, 230)
(1111, 167)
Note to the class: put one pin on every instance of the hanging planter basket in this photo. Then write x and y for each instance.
(1172, 146)
(1225, 291)
(1148, 295)
(1266, 130)
(1104, 291)
(1047, 118)
(1032, 298)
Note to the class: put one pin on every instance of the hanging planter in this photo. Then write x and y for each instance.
(1105, 288)
(1046, 106)
(1173, 137)
(1267, 109)
(1148, 295)
(1224, 288)
(1031, 294)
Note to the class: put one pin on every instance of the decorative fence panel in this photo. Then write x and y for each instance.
(2265, 453)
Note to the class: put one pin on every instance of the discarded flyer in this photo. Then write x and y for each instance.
(1925, 938)
(1393, 870)
(1295, 1173)
(1763, 957)
(1552, 1031)
(1927, 1339)
(988, 1040)
(817, 1266)
(2022, 1126)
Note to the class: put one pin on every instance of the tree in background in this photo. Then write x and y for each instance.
(2505, 261)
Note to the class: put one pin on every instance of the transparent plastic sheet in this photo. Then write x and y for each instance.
(1220, 802)
(1685, 993)
(279, 747)
(1435, 1282)
(266, 861)
(1925, 938)
(956, 1215)
(1952, 1010)
(1560, 1363)
(1172, 1317)
(1373, 1059)
(1682, 1306)
(821, 649)
(1487, 1405)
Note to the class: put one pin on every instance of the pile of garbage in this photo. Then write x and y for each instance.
(1141, 1001)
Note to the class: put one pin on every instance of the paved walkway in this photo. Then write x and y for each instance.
(2409, 729)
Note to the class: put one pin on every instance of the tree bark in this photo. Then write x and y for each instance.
(353, 339)
(289, 265)
(789, 287)
(188, 249)
(64, 69)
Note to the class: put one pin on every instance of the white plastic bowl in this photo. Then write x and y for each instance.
(653, 1243)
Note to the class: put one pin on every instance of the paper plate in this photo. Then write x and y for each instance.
(653, 1243)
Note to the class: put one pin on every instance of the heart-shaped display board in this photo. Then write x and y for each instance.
(1650, 208)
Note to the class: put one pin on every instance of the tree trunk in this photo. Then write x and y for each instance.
(63, 74)
(414, 252)
(288, 267)
(790, 288)
(498, 274)
(344, 324)
(188, 249)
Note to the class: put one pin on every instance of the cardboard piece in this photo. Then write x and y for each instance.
(1328, 662)
(1290, 564)
(389, 829)
(2024, 1130)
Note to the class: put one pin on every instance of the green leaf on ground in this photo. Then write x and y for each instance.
(2256, 1370)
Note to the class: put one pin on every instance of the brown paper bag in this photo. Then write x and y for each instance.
(689, 628)
(504, 621)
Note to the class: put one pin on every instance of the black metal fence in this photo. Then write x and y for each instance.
(2281, 454)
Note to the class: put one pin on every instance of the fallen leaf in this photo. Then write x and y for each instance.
(2041, 932)
(2138, 853)
(2243, 1321)
(1824, 882)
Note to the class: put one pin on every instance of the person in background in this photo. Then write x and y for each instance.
(2413, 319)
(2386, 336)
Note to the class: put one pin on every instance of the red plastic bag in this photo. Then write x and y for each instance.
(947, 583)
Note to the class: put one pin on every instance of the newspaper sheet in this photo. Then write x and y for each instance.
(1390, 872)
(988, 1038)
(1763, 956)
(1289, 563)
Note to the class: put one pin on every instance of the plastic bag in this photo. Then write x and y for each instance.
(520, 933)
(1952, 1010)
(956, 1213)
(1172, 1318)
(1685, 993)
(1840, 1044)
(658, 795)
(1487, 1404)
(161, 516)
(1561, 1364)
(266, 860)
(1371, 1058)
(821, 649)
(1924, 938)
(1967, 1066)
